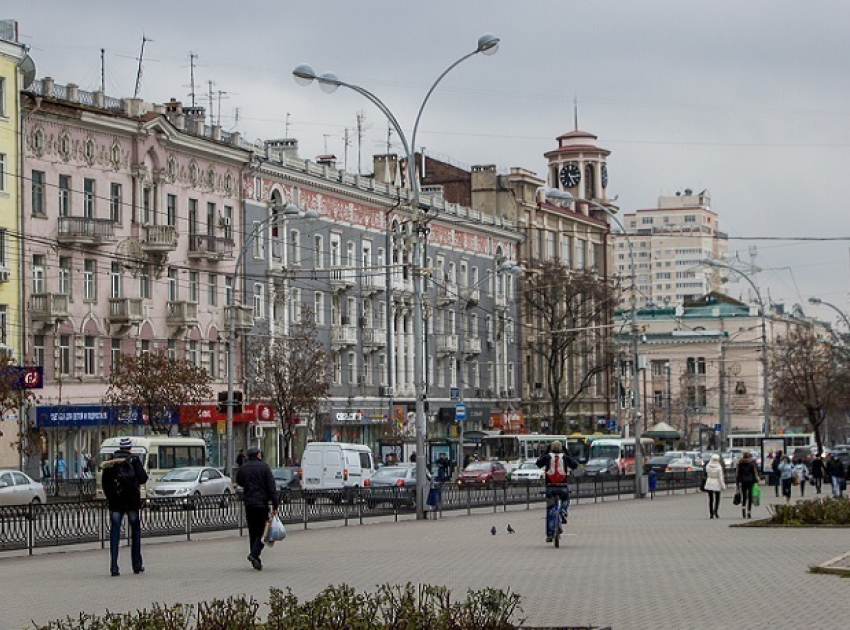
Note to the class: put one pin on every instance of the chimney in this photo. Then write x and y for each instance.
(282, 147)
(98, 99)
(48, 87)
(327, 160)
(72, 92)
(386, 168)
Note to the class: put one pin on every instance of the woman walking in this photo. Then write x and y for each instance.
(746, 476)
(801, 474)
(786, 477)
(714, 484)
(818, 472)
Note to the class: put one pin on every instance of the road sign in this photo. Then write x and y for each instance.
(718, 427)
(454, 393)
(612, 424)
(460, 412)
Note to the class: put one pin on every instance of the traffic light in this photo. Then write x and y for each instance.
(222, 402)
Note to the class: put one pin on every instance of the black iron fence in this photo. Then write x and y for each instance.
(87, 521)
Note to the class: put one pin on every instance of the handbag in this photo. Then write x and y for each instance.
(737, 499)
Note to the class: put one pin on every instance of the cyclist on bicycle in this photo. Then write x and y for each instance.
(557, 465)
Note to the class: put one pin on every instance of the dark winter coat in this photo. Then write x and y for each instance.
(110, 471)
(747, 471)
(257, 483)
(817, 468)
(834, 468)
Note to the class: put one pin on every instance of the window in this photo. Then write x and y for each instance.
(65, 275)
(3, 172)
(295, 306)
(193, 353)
(4, 242)
(116, 195)
(64, 195)
(145, 282)
(211, 218)
(172, 285)
(228, 290)
(88, 198)
(212, 289)
(294, 253)
(38, 266)
(193, 217)
(89, 365)
(115, 279)
(259, 301)
(193, 286)
(38, 349)
(2, 96)
(146, 346)
(382, 369)
(37, 183)
(318, 251)
(228, 222)
(336, 362)
(172, 350)
(64, 354)
(115, 352)
(352, 368)
(89, 280)
(171, 210)
(319, 307)
(259, 244)
(212, 359)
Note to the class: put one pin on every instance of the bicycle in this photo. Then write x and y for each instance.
(556, 509)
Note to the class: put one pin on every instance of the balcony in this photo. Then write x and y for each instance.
(343, 336)
(244, 318)
(373, 281)
(212, 248)
(86, 231)
(447, 344)
(48, 308)
(402, 285)
(446, 293)
(125, 311)
(472, 346)
(374, 337)
(182, 314)
(470, 296)
(501, 300)
(342, 279)
(159, 239)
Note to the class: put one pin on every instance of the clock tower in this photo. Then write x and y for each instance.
(578, 166)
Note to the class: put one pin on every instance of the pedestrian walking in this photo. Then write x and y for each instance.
(123, 477)
(786, 477)
(746, 476)
(801, 474)
(45, 467)
(714, 484)
(60, 467)
(653, 483)
(818, 472)
(443, 468)
(774, 467)
(433, 500)
(258, 489)
(240, 458)
(835, 472)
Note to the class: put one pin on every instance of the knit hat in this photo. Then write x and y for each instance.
(125, 444)
(715, 457)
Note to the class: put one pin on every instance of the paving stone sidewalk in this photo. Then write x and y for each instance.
(624, 564)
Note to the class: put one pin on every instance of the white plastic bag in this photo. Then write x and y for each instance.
(275, 531)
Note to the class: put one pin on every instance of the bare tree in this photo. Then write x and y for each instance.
(809, 378)
(567, 310)
(292, 374)
(158, 386)
(14, 396)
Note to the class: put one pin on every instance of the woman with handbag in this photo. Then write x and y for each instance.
(714, 484)
(786, 477)
(746, 476)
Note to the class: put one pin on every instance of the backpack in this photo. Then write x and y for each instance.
(125, 480)
(556, 473)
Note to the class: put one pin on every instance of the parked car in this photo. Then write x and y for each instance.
(17, 488)
(681, 464)
(483, 472)
(392, 484)
(601, 466)
(659, 463)
(287, 480)
(527, 472)
(191, 481)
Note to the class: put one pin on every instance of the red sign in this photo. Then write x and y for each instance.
(209, 414)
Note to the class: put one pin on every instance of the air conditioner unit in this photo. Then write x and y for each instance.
(5, 275)
(258, 433)
(224, 222)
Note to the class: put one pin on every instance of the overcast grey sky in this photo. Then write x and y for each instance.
(747, 99)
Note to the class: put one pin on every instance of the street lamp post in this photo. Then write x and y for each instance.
(289, 211)
(765, 376)
(667, 410)
(565, 197)
(304, 75)
(817, 300)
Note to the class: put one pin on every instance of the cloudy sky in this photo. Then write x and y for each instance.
(746, 99)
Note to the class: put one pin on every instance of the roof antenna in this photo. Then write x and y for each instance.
(575, 112)
(192, 56)
(139, 71)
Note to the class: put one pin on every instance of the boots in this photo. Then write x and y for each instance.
(743, 512)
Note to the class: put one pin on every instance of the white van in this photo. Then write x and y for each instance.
(335, 466)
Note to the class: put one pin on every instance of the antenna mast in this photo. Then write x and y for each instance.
(103, 70)
(360, 118)
(210, 96)
(192, 57)
(575, 112)
(286, 132)
(218, 118)
(139, 71)
(346, 143)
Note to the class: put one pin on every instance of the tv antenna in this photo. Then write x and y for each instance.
(141, 57)
(192, 56)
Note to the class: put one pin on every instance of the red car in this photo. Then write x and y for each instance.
(483, 472)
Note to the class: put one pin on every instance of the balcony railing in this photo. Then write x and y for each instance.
(86, 231)
(446, 344)
(342, 279)
(446, 293)
(374, 337)
(49, 307)
(472, 346)
(374, 282)
(159, 238)
(125, 310)
(344, 335)
(182, 314)
(244, 318)
(402, 285)
(501, 300)
(213, 248)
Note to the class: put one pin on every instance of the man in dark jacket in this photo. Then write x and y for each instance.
(123, 476)
(835, 472)
(817, 472)
(258, 488)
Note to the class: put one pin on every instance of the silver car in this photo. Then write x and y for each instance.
(17, 488)
(180, 483)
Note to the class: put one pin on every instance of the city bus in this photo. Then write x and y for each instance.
(622, 451)
(512, 450)
(748, 441)
(578, 444)
(157, 453)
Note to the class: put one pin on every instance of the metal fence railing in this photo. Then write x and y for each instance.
(76, 520)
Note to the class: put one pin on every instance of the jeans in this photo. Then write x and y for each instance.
(553, 493)
(747, 495)
(836, 486)
(256, 517)
(135, 525)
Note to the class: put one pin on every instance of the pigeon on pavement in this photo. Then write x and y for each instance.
(511, 530)
(493, 530)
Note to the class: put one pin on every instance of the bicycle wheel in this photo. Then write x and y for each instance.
(557, 538)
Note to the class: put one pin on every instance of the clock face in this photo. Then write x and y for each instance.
(604, 176)
(570, 175)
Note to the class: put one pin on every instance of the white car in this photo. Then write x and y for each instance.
(527, 472)
(180, 483)
(17, 488)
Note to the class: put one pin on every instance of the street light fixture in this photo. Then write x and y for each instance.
(304, 75)
(291, 210)
(765, 377)
(563, 196)
(817, 300)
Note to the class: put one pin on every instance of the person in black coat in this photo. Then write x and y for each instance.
(818, 472)
(258, 489)
(835, 472)
(122, 488)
